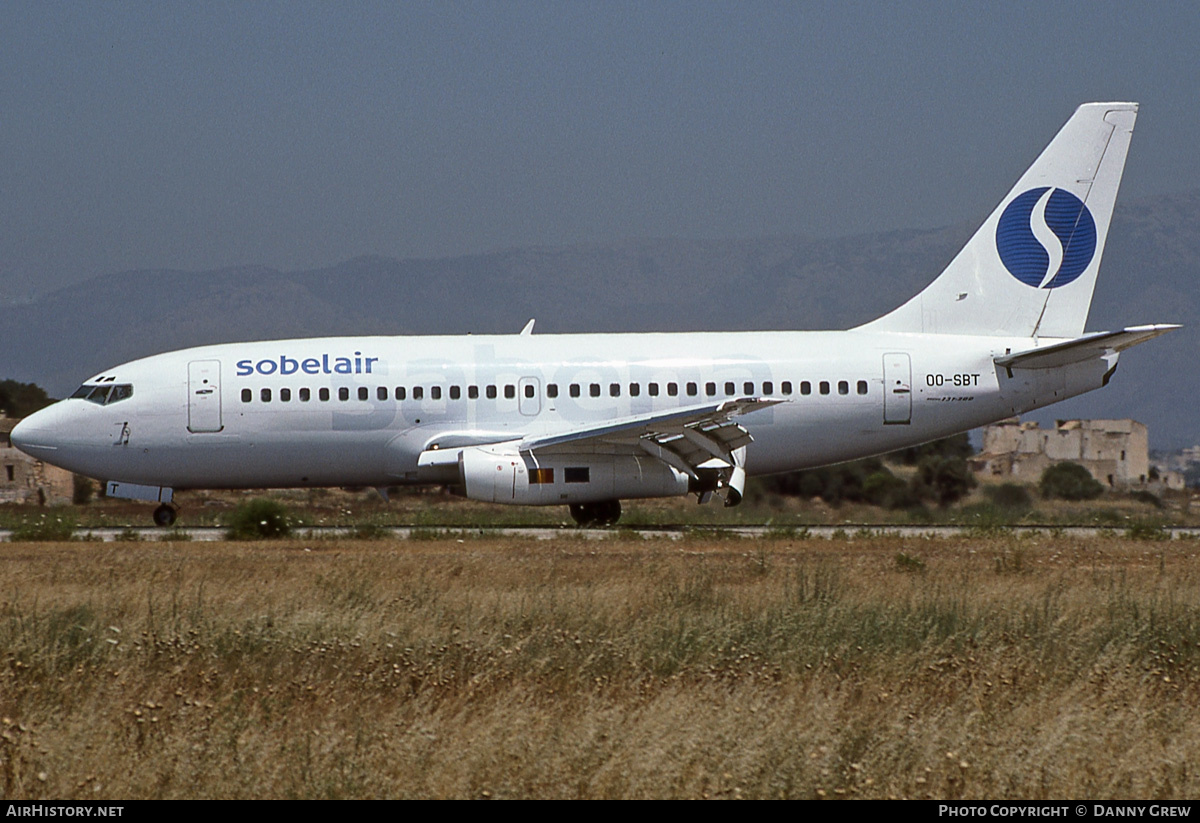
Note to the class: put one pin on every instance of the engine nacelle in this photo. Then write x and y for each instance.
(497, 475)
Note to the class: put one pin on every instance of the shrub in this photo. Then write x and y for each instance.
(1069, 481)
(82, 490)
(1147, 530)
(370, 531)
(1143, 496)
(260, 519)
(1009, 496)
(54, 529)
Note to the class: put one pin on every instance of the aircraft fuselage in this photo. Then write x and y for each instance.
(360, 411)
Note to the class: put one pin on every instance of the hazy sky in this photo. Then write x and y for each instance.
(201, 135)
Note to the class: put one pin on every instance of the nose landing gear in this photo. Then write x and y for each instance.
(164, 515)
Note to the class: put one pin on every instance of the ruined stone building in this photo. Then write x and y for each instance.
(1116, 452)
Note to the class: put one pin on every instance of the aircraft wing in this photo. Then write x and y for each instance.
(684, 438)
(1097, 344)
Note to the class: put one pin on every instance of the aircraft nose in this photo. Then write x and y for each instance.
(35, 435)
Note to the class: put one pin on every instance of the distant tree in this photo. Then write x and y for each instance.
(956, 445)
(943, 479)
(885, 489)
(1069, 481)
(22, 399)
(833, 484)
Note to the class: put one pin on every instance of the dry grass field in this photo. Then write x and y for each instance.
(1043, 667)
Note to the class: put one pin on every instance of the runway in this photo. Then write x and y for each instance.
(209, 534)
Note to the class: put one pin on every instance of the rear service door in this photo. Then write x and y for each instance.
(897, 388)
(204, 396)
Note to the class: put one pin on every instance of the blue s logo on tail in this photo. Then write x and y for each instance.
(1046, 237)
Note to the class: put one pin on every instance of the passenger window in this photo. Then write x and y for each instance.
(435, 392)
(768, 387)
(343, 393)
(748, 388)
(594, 390)
(363, 393)
(673, 389)
(824, 387)
(305, 394)
(653, 388)
(730, 389)
(552, 390)
(265, 395)
(323, 394)
(635, 389)
(691, 389)
(614, 389)
(455, 392)
(787, 387)
(285, 395)
(381, 393)
(510, 391)
(843, 387)
(472, 392)
(710, 389)
(247, 395)
(574, 390)
(529, 390)
(491, 392)
(400, 393)
(805, 387)
(418, 393)
(862, 386)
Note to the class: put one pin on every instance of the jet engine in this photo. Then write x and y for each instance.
(505, 475)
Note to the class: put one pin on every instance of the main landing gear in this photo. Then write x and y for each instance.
(164, 515)
(604, 513)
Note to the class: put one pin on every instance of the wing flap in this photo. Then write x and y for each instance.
(712, 420)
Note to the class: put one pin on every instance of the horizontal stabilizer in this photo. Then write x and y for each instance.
(1088, 347)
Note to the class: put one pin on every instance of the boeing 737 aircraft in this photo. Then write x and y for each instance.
(588, 420)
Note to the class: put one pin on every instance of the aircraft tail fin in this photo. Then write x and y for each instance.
(1031, 268)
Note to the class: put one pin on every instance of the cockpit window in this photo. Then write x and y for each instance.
(99, 395)
(104, 395)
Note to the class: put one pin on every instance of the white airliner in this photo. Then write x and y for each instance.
(587, 420)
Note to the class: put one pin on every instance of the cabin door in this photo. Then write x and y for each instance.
(897, 388)
(204, 396)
